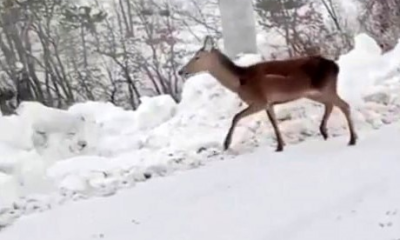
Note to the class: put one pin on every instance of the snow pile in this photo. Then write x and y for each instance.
(33, 140)
(37, 126)
(14, 133)
(356, 69)
(120, 130)
(96, 148)
(163, 107)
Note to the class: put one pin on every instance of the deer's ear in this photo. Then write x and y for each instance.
(208, 43)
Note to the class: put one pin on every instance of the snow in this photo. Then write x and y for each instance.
(8, 188)
(316, 189)
(50, 156)
(355, 80)
(164, 107)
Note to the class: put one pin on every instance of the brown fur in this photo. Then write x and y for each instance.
(266, 84)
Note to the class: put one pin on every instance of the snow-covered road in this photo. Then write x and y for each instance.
(314, 190)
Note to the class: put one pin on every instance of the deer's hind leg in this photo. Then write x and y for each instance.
(345, 108)
(250, 110)
(330, 100)
(328, 111)
(272, 118)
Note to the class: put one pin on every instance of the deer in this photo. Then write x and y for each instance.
(268, 83)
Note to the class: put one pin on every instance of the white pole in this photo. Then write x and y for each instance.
(238, 26)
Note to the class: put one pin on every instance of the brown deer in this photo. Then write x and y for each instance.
(265, 84)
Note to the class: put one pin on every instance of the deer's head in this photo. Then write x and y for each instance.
(202, 61)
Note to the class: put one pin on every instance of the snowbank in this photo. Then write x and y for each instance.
(38, 127)
(354, 77)
(96, 148)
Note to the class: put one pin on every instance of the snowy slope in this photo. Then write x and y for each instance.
(315, 190)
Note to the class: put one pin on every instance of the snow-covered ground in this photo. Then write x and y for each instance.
(51, 156)
(316, 190)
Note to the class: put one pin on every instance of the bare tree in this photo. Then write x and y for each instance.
(301, 25)
(59, 53)
(381, 20)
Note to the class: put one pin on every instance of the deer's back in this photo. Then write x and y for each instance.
(315, 70)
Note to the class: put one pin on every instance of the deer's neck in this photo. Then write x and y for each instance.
(228, 74)
(227, 79)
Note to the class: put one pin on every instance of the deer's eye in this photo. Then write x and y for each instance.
(197, 58)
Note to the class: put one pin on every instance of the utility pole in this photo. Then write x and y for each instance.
(238, 26)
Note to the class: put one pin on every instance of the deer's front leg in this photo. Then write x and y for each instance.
(252, 109)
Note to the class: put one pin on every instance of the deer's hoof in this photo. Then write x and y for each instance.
(279, 149)
(324, 133)
(325, 136)
(352, 142)
(226, 146)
